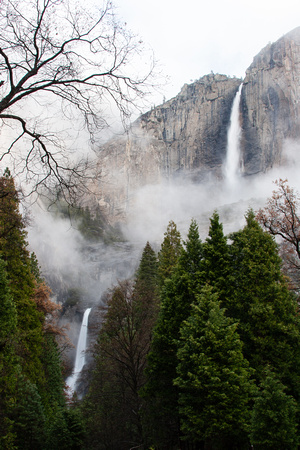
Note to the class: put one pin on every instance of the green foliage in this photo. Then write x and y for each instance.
(169, 252)
(146, 299)
(213, 376)
(216, 266)
(246, 276)
(107, 409)
(147, 273)
(260, 300)
(35, 268)
(53, 389)
(31, 390)
(177, 295)
(112, 405)
(225, 314)
(29, 417)
(90, 221)
(13, 249)
(73, 297)
(9, 361)
(65, 430)
(274, 421)
(91, 226)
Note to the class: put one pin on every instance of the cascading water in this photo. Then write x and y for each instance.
(232, 163)
(80, 352)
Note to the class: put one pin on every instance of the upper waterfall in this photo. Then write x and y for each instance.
(232, 162)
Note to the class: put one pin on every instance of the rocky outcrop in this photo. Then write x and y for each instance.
(270, 104)
(189, 132)
(187, 135)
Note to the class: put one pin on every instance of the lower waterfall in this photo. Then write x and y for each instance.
(80, 352)
(232, 163)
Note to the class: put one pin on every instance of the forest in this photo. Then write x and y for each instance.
(198, 350)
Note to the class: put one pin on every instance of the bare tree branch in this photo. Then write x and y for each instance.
(280, 218)
(60, 51)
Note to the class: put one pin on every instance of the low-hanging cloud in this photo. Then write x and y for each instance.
(67, 260)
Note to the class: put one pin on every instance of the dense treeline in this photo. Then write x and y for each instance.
(33, 408)
(201, 350)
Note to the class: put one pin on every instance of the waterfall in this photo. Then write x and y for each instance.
(80, 352)
(232, 163)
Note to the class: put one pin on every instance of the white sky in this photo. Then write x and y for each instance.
(191, 38)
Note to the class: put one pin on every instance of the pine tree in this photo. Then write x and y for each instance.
(169, 252)
(9, 361)
(191, 257)
(29, 417)
(213, 377)
(30, 367)
(123, 343)
(274, 418)
(13, 250)
(216, 267)
(177, 294)
(261, 302)
(147, 273)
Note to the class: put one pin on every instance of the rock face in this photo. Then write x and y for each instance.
(270, 104)
(187, 135)
(189, 132)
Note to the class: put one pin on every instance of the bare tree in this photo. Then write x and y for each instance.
(281, 219)
(57, 56)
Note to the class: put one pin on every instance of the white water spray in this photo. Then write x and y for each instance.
(80, 352)
(232, 163)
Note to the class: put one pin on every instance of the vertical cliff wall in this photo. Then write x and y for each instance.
(187, 135)
(270, 104)
(190, 130)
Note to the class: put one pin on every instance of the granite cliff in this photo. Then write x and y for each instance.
(270, 104)
(187, 135)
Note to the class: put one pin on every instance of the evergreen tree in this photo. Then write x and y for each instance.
(9, 362)
(213, 377)
(169, 252)
(216, 267)
(13, 250)
(274, 421)
(191, 256)
(177, 294)
(31, 388)
(29, 417)
(113, 405)
(147, 273)
(266, 310)
(65, 430)
(52, 391)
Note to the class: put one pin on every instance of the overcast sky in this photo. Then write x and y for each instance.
(191, 38)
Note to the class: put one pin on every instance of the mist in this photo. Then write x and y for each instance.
(153, 206)
(69, 262)
(68, 259)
